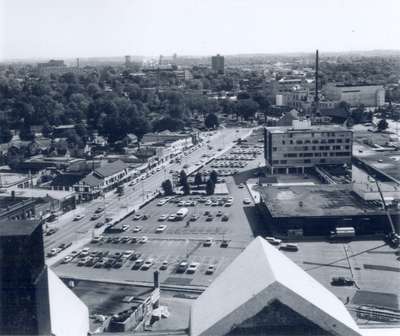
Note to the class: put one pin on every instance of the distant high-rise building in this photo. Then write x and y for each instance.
(218, 63)
(160, 60)
(127, 60)
(34, 301)
(77, 62)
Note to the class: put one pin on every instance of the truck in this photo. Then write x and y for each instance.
(181, 214)
(343, 232)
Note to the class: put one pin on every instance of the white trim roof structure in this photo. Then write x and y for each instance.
(259, 276)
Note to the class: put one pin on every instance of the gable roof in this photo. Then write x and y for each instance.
(259, 276)
(111, 168)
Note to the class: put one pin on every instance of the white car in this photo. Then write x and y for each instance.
(246, 201)
(163, 217)
(67, 259)
(79, 217)
(193, 267)
(127, 253)
(143, 240)
(161, 228)
(54, 251)
(147, 264)
(162, 202)
(96, 239)
(210, 269)
(137, 228)
(208, 202)
(273, 240)
(172, 217)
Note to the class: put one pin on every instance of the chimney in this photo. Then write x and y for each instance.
(156, 279)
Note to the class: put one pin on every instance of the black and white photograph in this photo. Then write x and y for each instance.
(199, 167)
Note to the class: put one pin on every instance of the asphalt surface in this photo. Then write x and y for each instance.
(73, 231)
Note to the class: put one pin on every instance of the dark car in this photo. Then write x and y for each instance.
(99, 225)
(224, 243)
(342, 281)
(117, 264)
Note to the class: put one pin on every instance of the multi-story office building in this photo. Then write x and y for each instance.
(355, 95)
(218, 63)
(294, 148)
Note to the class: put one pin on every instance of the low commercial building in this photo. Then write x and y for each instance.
(319, 209)
(369, 95)
(16, 208)
(102, 179)
(63, 163)
(294, 148)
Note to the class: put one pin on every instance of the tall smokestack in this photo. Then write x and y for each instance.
(77, 62)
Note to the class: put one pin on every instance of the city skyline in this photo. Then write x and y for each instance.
(75, 29)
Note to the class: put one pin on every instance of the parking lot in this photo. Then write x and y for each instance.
(154, 239)
(372, 265)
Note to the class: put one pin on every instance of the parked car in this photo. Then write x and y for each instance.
(193, 267)
(67, 259)
(246, 201)
(164, 265)
(95, 216)
(163, 217)
(79, 217)
(137, 228)
(147, 264)
(183, 265)
(143, 240)
(137, 217)
(210, 269)
(289, 247)
(161, 228)
(342, 281)
(98, 225)
(138, 263)
(224, 243)
(208, 242)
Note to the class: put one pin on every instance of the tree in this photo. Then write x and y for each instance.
(167, 187)
(214, 176)
(211, 121)
(182, 178)
(382, 125)
(247, 108)
(26, 134)
(5, 135)
(198, 179)
(210, 187)
(186, 188)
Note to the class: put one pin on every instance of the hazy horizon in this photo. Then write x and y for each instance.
(45, 29)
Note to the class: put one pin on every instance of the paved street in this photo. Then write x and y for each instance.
(73, 231)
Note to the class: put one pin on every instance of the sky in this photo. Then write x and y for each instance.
(99, 28)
